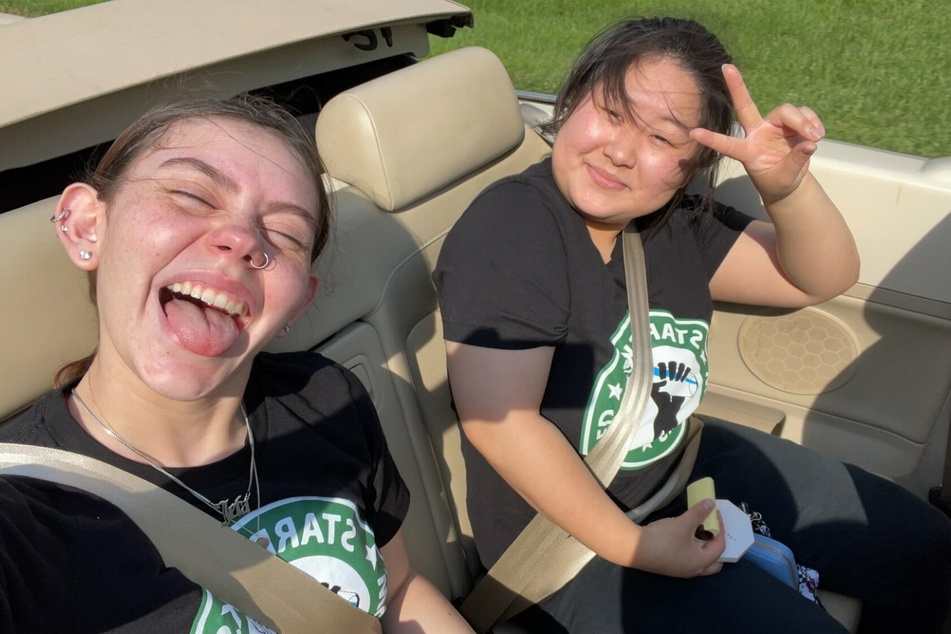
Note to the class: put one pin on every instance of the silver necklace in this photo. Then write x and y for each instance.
(228, 510)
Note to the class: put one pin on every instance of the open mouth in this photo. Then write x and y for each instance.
(205, 297)
(205, 320)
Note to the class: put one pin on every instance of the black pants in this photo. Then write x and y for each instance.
(868, 538)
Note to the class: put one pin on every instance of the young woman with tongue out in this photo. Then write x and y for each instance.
(198, 229)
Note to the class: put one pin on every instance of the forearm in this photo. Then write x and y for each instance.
(498, 395)
(813, 245)
(413, 604)
(536, 460)
(419, 607)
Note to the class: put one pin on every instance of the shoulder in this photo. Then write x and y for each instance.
(59, 568)
(36, 502)
(63, 519)
(34, 425)
(308, 386)
(695, 218)
(525, 202)
(36, 579)
(536, 180)
(519, 220)
(699, 217)
(710, 232)
(288, 372)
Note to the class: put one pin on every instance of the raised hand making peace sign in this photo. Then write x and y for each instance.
(775, 149)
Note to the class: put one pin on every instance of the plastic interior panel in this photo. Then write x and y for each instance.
(357, 347)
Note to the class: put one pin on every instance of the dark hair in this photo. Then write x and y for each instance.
(149, 131)
(604, 63)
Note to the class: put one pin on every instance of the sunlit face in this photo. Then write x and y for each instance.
(193, 214)
(613, 168)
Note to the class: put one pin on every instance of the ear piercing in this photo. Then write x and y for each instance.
(267, 260)
(287, 328)
(85, 255)
(63, 215)
(60, 216)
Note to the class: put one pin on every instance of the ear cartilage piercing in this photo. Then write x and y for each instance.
(60, 216)
(267, 261)
(64, 229)
(84, 255)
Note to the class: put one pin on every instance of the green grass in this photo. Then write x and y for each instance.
(878, 72)
(31, 8)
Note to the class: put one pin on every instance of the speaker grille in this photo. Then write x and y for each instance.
(804, 352)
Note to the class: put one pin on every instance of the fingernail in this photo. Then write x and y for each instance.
(817, 131)
(708, 505)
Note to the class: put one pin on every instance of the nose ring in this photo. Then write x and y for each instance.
(267, 260)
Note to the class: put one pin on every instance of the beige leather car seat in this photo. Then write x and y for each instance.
(421, 144)
(48, 319)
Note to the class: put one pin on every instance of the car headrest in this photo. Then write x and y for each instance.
(401, 137)
(48, 320)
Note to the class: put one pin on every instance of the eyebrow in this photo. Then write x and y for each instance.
(198, 165)
(683, 125)
(226, 182)
(633, 108)
(666, 117)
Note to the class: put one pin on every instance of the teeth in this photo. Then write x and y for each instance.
(211, 297)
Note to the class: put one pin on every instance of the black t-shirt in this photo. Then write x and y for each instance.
(519, 270)
(331, 496)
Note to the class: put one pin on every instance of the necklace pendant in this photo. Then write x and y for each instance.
(231, 511)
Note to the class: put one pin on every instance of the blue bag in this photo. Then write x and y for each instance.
(775, 558)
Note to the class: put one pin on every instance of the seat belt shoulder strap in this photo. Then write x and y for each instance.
(215, 557)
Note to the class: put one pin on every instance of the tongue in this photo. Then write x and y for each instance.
(204, 331)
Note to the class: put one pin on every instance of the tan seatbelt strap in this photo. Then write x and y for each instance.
(543, 551)
(606, 457)
(263, 586)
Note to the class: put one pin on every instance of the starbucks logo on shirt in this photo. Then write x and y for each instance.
(680, 372)
(325, 537)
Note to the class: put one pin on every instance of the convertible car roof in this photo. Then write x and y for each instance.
(78, 73)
